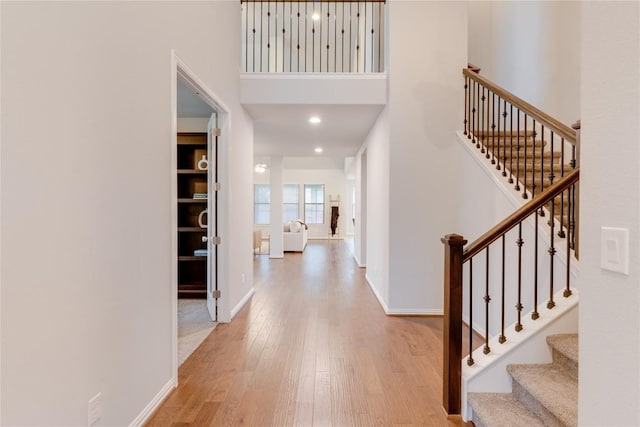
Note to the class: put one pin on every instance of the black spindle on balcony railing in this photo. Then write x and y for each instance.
(324, 36)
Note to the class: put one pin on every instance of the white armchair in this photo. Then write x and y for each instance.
(294, 236)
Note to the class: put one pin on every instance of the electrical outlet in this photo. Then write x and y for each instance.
(242, 278)
(95, 409)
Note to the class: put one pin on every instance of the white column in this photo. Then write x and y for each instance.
(276, 214)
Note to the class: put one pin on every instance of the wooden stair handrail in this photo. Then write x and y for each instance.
(455, 257)
(520, 215)
(561, 129)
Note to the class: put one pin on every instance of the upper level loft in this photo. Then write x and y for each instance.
(313, 52)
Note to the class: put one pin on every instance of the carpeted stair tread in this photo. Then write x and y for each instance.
(566, 344)
(552, 387)
(501, 410)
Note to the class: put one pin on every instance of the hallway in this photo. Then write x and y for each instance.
(312, 348)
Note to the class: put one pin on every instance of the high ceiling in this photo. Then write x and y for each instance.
(285, 130)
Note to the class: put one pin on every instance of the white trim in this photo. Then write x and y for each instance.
(313, 76)
(358, 262)
(415, 312)
(375, 292)
(242, 302)
(179, 69)
(148, 411)
(174, 214)
(0, 241)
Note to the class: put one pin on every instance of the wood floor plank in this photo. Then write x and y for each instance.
(312, 348)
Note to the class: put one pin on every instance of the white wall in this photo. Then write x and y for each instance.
(610, 194)
(372, 232)
(86, 198)
(425, 109)
(532, 49)
(335, 182)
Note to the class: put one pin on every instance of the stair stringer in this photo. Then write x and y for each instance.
(489, 372)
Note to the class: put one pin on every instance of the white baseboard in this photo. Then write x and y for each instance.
(361, 265)
(375, 292)
(148, 411)
(402, 311)
(415, 312)
(242, 302)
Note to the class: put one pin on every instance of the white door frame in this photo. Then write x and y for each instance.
(180, 69)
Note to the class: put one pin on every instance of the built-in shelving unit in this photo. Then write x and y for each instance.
(191, 180)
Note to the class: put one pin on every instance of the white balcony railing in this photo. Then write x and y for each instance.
(313, 36)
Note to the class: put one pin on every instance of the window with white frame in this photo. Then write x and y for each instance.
(291, 202)
(261, 203)
(314, 203)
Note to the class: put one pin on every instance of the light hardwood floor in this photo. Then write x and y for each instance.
(312, 348)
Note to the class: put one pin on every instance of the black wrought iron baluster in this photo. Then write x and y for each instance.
(466, 106)
(350, 37)
(253, 57)
(373, 46)
(291, 37)
(510, 143)
(519, 305)
(245, 8)
(364, 41)
(313, 39)
(261, 32)
(268, 37)
(298, 40)
(472, 102)
(572, 211)
(380, 9)
(358, 40)
(335, 37)
(526, 143)
(470, 358)
(502, 337)
(552, 250)
(483, 130)
(534, 135)
(517, 187)
(561, 232)
(343, 49)
(541, 210)
(493, 128)
(487, 299)
(306, 45)
(275, 38)
(504, 138)
(320, 21)
(535, 313)
(479, 118)
(496, 143)
(570, 193)
(551, 169)
(328, 34)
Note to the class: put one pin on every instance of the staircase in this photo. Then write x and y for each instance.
(542, 395)
(516, 278)
(528, 163)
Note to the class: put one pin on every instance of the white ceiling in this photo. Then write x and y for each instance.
(285, 130)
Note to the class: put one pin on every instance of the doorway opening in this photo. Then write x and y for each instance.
(198, 174)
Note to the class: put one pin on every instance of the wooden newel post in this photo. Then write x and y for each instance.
(452, 330)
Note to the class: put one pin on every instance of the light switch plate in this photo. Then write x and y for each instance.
(614, 249)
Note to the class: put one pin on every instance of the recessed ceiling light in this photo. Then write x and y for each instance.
(315, 120)
(260, 168)
(318, 150)
(315, 16)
